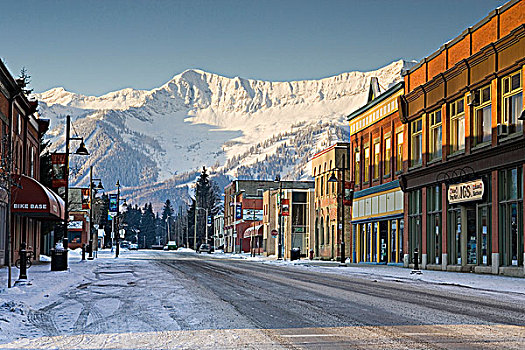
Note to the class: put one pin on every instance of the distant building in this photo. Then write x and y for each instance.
(330, 213)
(292, 202)
(218, 231)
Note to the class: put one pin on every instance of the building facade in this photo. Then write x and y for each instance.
(24, 201)
(463, 174)
(376, 144)
(291, 205)
(332, 218)
(218, 231)
(241, 195)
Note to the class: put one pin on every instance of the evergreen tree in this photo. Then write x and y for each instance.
(131, 219)
(167, 222)
(147, 227)
(207, 200)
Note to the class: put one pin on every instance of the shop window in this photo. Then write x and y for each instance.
(512, 102)
(435, 135)
(357, 167)
(377, 157)
(414, 223)
(457, 125)
(388, 155)
(483, 117)
(399, 152)
(511, 216)
(434, 239)
(417, 142)
(366, 166)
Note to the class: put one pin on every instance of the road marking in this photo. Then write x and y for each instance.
(365, 337)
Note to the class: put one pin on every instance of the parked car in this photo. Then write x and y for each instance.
(204, 248)
(133, 246)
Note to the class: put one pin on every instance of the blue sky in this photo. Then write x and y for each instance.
(93, 47)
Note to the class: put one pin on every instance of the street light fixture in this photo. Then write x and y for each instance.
(92, 191)
(279, 239)
(117, 218)
(80, 151)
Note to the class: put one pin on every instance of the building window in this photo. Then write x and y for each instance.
(512, 102)
(511, 216)
(322, 185)
(435, 135)
(377, 153)
(414, 222)
(32, 162)
(483, 117)
(357, 167)
(417, 142)
(388, 155)
(366, 167)
(399, 152)
(457, 125)
(434, 239)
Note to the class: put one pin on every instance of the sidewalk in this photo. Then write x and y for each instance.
(472, 281)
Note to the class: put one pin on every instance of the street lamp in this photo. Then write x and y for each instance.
(80, 151)
(117, 218)
(280, 243)
(92, 191)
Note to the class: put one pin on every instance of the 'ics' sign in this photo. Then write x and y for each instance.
(466, 192)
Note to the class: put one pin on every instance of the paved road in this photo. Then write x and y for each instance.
(177, 300)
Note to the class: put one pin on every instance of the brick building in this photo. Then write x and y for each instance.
(31, 202)
(329, 215)
(376, 143)
(463, 174)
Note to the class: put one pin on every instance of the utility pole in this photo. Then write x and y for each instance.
(195, 226)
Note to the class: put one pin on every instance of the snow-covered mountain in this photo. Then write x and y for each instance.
(155, 141)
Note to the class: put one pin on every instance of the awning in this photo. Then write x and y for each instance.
(250, 232)
(31, 198)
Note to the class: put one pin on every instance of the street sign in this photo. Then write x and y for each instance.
(274, 233)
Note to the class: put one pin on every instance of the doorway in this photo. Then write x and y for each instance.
(383, 241)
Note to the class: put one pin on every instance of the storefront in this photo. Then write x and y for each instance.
(377, 225)
(32, 203)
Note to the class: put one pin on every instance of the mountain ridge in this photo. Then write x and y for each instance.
(198, 118)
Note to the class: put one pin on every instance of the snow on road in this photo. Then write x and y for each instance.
(96, 304)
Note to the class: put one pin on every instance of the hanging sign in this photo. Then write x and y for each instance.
(466, 191)
(58, 161)
(238, 211)
(285, 207)
(86, 198)
(113, 203)
(349, 193)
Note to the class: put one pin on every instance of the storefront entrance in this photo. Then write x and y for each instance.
(469, 234)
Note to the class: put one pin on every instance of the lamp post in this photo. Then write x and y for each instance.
(168, 223)
(279, 239)
(117, 218)
(80, 151)
(92, 192)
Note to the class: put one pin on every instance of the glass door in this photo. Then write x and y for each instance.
(472, 242)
